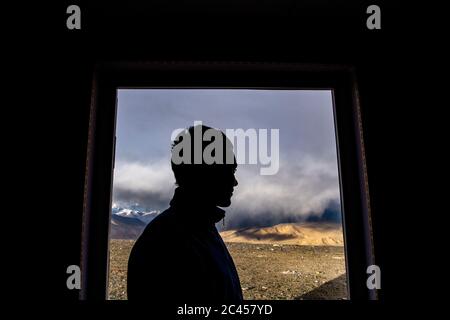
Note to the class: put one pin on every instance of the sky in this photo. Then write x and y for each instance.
(306, 185)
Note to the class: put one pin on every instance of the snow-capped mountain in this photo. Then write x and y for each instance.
(143, 216)
(128, 223)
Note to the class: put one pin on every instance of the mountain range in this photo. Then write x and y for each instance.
(129, 224)
(302, 233)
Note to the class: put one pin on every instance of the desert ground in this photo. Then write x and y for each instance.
(269, 267)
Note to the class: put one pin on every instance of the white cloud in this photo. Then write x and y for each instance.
(144, 177)
(301, 189)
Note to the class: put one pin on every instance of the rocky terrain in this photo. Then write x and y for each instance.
(288, 261)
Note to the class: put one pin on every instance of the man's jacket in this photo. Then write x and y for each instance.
(181, 257)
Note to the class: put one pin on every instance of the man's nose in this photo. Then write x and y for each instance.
(235, 182)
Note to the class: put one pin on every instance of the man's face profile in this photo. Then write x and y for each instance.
(224, 190)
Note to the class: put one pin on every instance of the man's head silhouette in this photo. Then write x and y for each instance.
(203, 163)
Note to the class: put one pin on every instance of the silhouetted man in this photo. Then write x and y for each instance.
(181, 256)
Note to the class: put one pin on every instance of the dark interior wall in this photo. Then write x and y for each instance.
(274, 31)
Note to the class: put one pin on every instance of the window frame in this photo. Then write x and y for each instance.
(110, 76)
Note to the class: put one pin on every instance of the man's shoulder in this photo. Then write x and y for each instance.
(161, 224)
